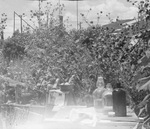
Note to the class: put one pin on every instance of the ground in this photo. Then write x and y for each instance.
(80, 117)
(67, 118)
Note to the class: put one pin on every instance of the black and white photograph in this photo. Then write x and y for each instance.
(74, 64)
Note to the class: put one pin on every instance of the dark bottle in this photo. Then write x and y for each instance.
(119, 102)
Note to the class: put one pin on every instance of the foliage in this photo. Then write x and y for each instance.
(2, 27)
(46, 54)
(142, 111)
(116, 55)
(3, 21)
(51, 52)
(46, 15)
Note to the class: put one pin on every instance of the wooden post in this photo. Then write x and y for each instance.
(59, 7)
(14, 23)
(47, 19)
(77, 14)
(60, 20)
(39, 14)
(16, 94)
(80, 25)
(21, 23)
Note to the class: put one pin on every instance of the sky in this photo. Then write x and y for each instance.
(116, 8)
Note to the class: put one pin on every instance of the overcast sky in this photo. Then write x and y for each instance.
(115, 7)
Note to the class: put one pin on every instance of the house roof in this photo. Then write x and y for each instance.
(118, 24)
